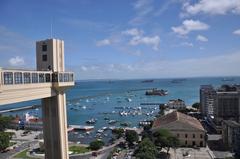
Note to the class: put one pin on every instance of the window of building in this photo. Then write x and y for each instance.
(71, 77)
(44, 57)
(201, 144)
(186, 142)
(41, 78)
(193, 135)
(60, 77)
(66, 77)
(18, 77)
(193, 143)
(44, 47)
(34, 78)
(186, 135)
(178, 135)
(54, 77)
(47, 75)
(26, 77)
(8, 77)
(201, 136)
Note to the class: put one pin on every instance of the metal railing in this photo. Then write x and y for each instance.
(13, 77)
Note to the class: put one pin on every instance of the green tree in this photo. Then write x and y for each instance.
(118, 132)
(96, 145)
(131, 136)
(164, 139)
(196, 105)
(4, 140)
(4, 122)
(146, 150)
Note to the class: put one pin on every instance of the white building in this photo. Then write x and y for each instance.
(176, 104)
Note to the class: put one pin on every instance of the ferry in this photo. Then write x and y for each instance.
(158, 92)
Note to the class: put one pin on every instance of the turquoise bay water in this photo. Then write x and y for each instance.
(98, 99)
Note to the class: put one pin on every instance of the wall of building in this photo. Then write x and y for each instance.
(227, 106)
(190, 139)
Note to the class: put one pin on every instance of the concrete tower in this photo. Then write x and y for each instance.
(50, 57)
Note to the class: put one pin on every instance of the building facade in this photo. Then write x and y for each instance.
(227, 104)
(176, 104)
(187, 129)
(230, 135)
(207, 98)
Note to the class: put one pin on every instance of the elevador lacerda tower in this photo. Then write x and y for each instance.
(47, 83)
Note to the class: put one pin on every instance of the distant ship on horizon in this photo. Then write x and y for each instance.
(147, 81)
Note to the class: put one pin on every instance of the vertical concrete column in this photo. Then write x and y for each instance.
(55, 127)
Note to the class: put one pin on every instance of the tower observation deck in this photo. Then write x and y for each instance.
(47, 83)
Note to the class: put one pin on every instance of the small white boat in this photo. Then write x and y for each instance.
(100, 131)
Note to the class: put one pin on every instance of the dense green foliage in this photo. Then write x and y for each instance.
(96, 145)
(4, 140)
(4, 122)
(131, 136)
(164, 139)
(196, 105)
(118, 132)
(146, 150)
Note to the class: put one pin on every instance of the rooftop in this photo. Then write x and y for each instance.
(176, 116)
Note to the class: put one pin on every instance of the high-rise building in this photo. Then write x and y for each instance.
(227, 104)
(231, 135)
(207, 97)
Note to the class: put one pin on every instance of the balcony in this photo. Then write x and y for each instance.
(21, 85)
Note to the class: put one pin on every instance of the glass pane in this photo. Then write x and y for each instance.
(47, 77)
(34, 78)
(41, 78)
(8, 77)
(26, 77)
(18, 77)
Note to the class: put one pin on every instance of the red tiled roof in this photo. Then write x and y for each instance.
(177, 116)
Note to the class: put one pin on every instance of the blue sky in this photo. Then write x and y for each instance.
(112, 39)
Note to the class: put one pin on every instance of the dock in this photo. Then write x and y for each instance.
(19, 109)
(81, 127)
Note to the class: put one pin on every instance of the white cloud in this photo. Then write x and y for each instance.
(190, 25)
(16, 61)
(153, 41)
(188, 44)
(133, 32)
(83, 68)
(212, 7)
(201, 38)
(143, 9)
(103, 42)
(138, 38)
(237, 32)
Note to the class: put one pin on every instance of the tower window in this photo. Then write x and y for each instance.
(44, 47)
(27, 77)
(44, 57)
(8, 77)
(18, 77)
